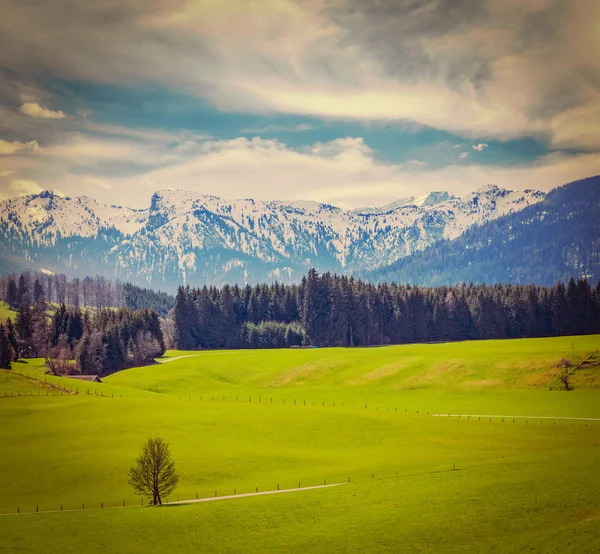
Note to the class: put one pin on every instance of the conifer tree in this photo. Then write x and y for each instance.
(5, 349)
(38, 291)
(24, 326)
(11, 335)
(183, 316)
(23, 291)
(11, 292)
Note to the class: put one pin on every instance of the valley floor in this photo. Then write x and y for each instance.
(239, 421)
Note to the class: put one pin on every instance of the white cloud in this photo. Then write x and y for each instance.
(301, 127)
(20, 187)
(456, 146)
(102, 183)
(8, 148)
(342, 172)
(477, 75)
(36, 111)
(464, 155)
(480, 147)
(6, 172)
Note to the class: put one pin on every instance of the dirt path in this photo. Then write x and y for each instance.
(176, 358)
(517, 417)
(211, 499)
(246, 495)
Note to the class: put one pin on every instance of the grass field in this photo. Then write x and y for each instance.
(323, 414)
(6, 312)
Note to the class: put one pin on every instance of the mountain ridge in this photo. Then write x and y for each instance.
(191, 237)
(546, 242)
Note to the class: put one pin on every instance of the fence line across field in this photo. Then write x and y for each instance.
(295, 402)
(224, 494)
(181, 498)
(220, 494)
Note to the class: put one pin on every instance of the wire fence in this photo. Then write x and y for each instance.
(225, 492)
(296, 402)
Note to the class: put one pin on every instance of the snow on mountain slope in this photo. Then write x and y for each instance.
(430, 199)
(125, 220)
(186, 236)
(47, 216)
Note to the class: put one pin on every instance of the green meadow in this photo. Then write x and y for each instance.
(247, 420)
(6, 312)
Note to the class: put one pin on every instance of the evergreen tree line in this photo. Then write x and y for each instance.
(73, 341)
(332, 310)
(92, 292)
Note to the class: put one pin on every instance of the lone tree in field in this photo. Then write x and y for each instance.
(565, 363)
(154, 471)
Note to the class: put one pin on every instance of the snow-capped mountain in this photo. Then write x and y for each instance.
(189, 237)
(430, 199)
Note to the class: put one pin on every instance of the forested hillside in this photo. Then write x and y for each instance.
(331, 310)
(75, 342)
(94, 293)
(552, 240)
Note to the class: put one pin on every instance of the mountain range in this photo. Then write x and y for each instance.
(186, 237)
(552, 240)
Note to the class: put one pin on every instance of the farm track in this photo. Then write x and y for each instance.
(176, 358)
(517, 417)
(193, 501)
(212, 498)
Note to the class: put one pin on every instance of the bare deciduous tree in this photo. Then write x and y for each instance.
(154, 471)
(167, 326)
(60, 358)
(565, 363)
(145, 348)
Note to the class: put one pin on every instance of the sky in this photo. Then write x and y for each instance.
(348, 102)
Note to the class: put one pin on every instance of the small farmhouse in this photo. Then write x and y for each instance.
(91, 378)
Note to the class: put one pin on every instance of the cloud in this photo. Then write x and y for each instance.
(344, 172)
(464, 155)
(480, 147)
(5, 172)
(8, 148)
(456, 146)
(500, 69)
(20, 187)
(102, 183)
(23, 187)
(34, 110)
(269, 129)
